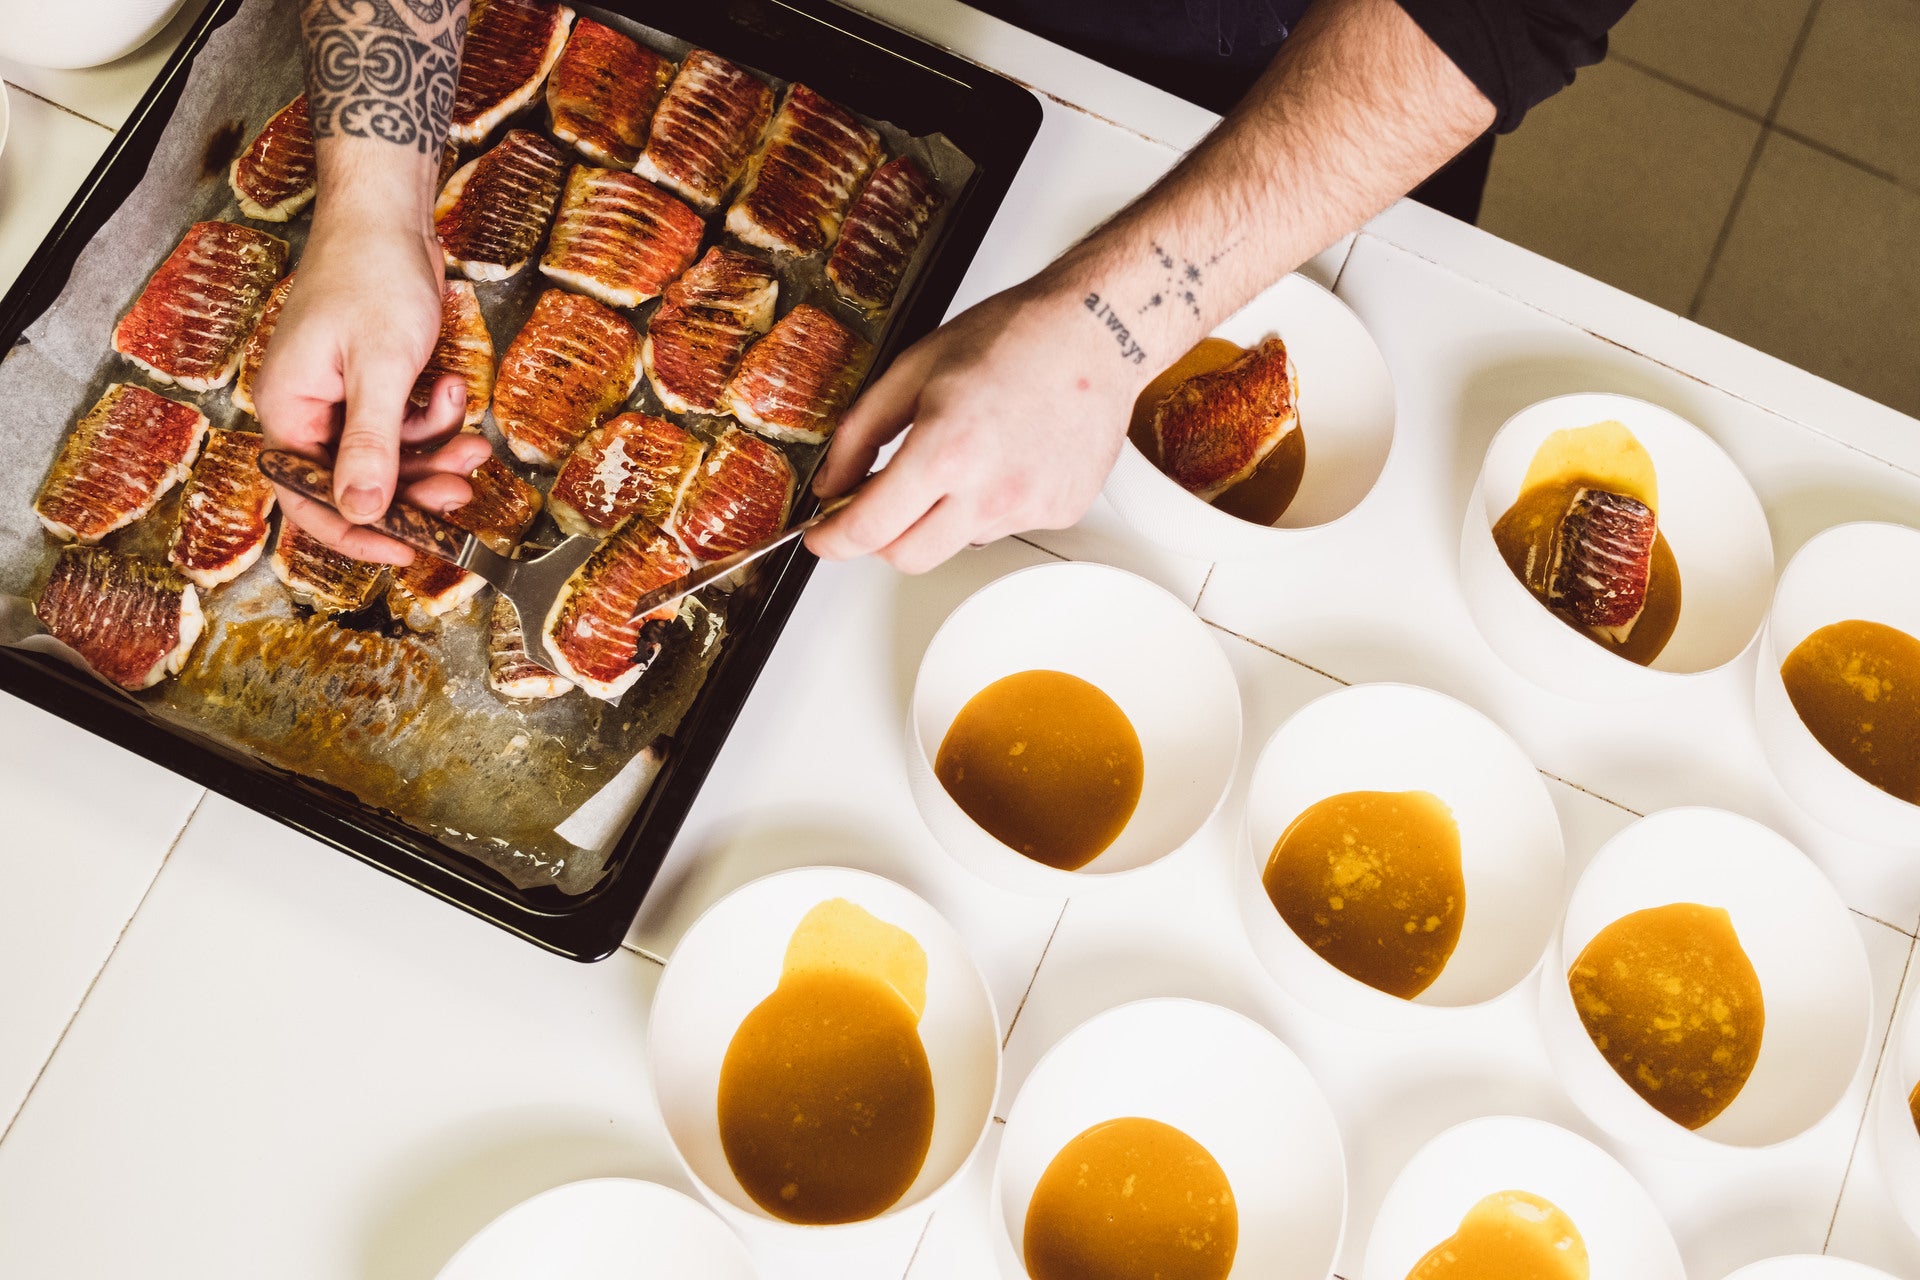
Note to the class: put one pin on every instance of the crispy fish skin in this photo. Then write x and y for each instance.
(464, 349)
(619, 238)
(502, 508)
(705, 129)
(705, 321)
(494, 209)
(1215, 428)
(429, 589)
(274, 178)
(188, 324)
(256, 349)
(603, 92)
(800, 182)
(223, 511)
(511, 46)
(133, 622)
(320, 576)
(794, 383)
(881, 234)
(632, 462)
(511, 671)
(740, 497)
(1602, 559)
(591, 632)
(573, 363)
(119, 460)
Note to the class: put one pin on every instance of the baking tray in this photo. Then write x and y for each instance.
(874, 70)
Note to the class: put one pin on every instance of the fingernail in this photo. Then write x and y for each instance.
(361, 502)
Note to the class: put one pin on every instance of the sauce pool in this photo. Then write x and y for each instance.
(1509, 1235)
(1856, 686)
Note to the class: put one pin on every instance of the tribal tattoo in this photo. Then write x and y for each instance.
(383, 69)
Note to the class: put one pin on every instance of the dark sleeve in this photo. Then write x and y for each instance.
(1518, 53)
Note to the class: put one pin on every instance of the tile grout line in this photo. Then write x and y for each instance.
(1043, 550)
(1834, 153)
(1675, 82)
(1588, 791)
(40, 97)
(1327, 675)
(1866, 1112)
(1035, 976)
(1902, 930)
(112, 951)
(642, 952)
(1201, 594)
(914, 1257)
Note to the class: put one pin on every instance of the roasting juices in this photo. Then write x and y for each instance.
(1856, 686)
(1264, 495)
(1509, 1235)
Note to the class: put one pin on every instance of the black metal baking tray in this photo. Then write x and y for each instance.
(873, 69)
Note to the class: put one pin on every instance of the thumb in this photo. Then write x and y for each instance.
(366, 467)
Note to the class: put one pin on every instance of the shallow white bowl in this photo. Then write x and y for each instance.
(1896, 1137)
(79, 33)
(730, 960)
(1397, 737)
(6, 117)
(1800, 937)
(603, 1229)
(1865, 571)
(1625, 1235)
(1143, 648)
(1346, 410)
(1710, 517)
(1807, 1266)
(1220, 1078)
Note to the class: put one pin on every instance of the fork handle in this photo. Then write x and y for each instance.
(421, 530)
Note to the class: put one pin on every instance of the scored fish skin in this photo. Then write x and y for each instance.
(705, 321)
(1602, 560)
(511, 45)
(274, 177)
(573, 363)
(430, 588)
(119, 460)
(134, 622)
(256, 349)
(223, 511)
(465, 349)
(794, 383)
(494, 209)
(619, 238)
(801, 180)
(1215, 428)
(632, 462)
(511, 671)
(502, 509)
(318, 575)
(603, 91)
(705, 129)
(740, 497)
(881, 234)
(591, 632)
(189, 322)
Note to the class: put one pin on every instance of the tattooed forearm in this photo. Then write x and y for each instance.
(383, 69)
(1130, 349)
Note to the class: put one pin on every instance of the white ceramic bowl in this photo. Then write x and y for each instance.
(1397, 737)
(1221, 1079)
(1710, 517)
(1625, 1235)
(1864, 571)
(1346, 411)
(603, 1229)
(79, 33)
(1897, 1138)
(6, 117)
(730, 960)
(1143, 648)
(1807, 1266)
(1805, 950)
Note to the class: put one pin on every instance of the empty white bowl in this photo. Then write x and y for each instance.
(730, 960)
(1346, 412)
(1146, 650)
(1807, 1266)
(79, 33)
(1897, 1138)
(602, 1229)
(1864, 571)
(1397, 737)
(1625, 1235)
(1711, 519)
(1800, 937)
(1225, 1082)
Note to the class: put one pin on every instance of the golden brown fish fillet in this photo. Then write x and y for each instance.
(1602, 561)
(740, 497)
(428, 589)
(705, 321)
(117, 463)
(800, 182)
(511, 671)
(572, 364)
(318, 575)
(223, 511)
(510, 47)
(256, 349)
(591, 632)
(274, 178)
(1214, 429)
(881, 234)
(188, 324)
(794, 383)
(619, 238)
(602, 94)
(133, 622)
(494, 209)
(704, 129)
(465, 350)
(502, 508)
(632, 462)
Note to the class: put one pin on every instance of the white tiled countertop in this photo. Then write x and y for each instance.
(227, 1051)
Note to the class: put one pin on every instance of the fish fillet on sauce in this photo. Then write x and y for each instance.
(318, 575)
(882, 232)
(572, 364)
(740, 497)
(465, 350)
(705, 129)
(631, 463)
(134, 622)
(1215, 428)
(494, 209)
(511, 671)
(256, 349)
(705, 321)
(800, 182)
(794, 383)
(274, 177)
(223, 511)
(591, 632)
(189, 323)
(619, 238)
(511, 45)
(117, 463)
(603, 92)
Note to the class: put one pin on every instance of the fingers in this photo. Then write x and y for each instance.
(445, 413)
(890, 504)
(458, 456)
(367, 464)
(935, 538)
(877, 417)
(330, 527)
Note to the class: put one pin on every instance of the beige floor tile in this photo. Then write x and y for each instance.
(1736, 50)
(1624, 177)
(1855, 87)
(1820, 271)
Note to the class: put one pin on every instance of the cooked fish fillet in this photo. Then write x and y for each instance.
(573, 363)
(511, 670)
(800, 182)
(117, 463)
(1602, 560)
(274, 177)
(133, 622)
(318, 575)
(603, 92)
(465, 349)
(256, 349)
(188, 324)
(882, 232)
(794, 383)
(1215, 428)
(511, 45)
(704, 129)
(502, 508)
(632, 462)
(591, 632)
(739, 497)
(494, 209)
(705, 321)
(619, 238)
(428, 589)
(223, 511)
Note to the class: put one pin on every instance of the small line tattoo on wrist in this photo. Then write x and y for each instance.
(1130, 349)
(1183, 279)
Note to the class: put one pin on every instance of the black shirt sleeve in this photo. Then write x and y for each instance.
(1518, 53)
